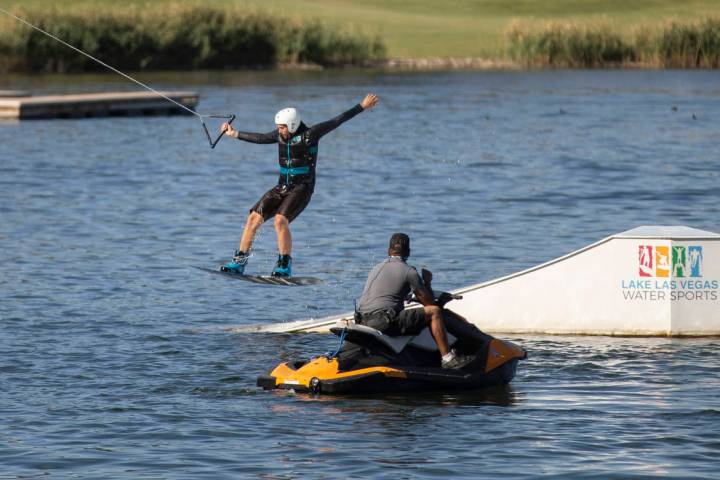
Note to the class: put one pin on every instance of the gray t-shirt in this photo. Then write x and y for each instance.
(388, 283)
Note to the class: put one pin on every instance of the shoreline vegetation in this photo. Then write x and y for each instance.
(674, 45)
(179, 37)
(176, 37)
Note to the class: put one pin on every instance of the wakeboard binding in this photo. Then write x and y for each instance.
(237, 264)
(283, 267)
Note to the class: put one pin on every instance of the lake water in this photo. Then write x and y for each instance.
(119, 360)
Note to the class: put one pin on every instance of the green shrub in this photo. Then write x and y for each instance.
(676, 46)
(691, 46)
(176, 37)
(569, 46)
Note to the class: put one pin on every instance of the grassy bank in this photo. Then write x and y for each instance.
(175, 37)
(188, 34)
(675, 45)
(414, 29)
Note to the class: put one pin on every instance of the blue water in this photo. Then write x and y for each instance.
(119, 360)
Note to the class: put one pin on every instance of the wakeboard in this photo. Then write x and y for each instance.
(267, 279)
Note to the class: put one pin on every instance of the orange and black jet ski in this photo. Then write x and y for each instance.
(369, 361)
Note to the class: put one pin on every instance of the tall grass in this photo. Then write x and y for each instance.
(559, 45)
(675, 45)
(691, 46)
(176, 37)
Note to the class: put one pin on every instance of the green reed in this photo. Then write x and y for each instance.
(676, 45)
(557, 45)
(176, 37)
(691, 46)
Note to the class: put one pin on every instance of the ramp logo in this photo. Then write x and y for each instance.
(661, 261)
(676, 273)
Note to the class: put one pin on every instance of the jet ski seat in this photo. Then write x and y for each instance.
(364, 335)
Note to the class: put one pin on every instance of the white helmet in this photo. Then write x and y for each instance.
(289, 117)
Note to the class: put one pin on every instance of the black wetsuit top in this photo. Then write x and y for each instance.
(298, 156)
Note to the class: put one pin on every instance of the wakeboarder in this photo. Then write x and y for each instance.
(298, 153)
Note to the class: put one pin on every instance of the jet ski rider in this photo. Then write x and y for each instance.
(298, 150)
(382, 303)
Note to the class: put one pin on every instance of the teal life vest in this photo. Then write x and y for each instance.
(297, 158)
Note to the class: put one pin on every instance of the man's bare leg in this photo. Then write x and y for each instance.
(284, 238)
(437, 328)
(253, 223)
(450, 359)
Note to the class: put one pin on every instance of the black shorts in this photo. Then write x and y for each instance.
(288, 201)
(409, 321)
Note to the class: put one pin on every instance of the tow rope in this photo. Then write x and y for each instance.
(342, 341)
(212, 142)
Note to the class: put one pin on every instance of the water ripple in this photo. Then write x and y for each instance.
(120, 360)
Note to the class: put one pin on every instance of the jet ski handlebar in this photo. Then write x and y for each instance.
(441, 298)
(446, 297)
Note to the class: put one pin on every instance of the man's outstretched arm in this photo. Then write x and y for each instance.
(270, 137)
(323, 128)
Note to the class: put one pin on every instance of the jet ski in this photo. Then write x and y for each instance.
(369, 361)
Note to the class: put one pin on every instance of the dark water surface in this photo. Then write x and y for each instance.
(118, 360)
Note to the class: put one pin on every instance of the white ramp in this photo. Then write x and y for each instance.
(646, 281)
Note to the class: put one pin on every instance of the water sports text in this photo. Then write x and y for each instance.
(674, 290)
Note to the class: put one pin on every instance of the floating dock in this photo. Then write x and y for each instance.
(648, 281)
(13, 93)
(95, 105)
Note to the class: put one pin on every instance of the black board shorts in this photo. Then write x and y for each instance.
(288, 201)
(409, 321)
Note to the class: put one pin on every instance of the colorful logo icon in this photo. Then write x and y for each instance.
(661, 261)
